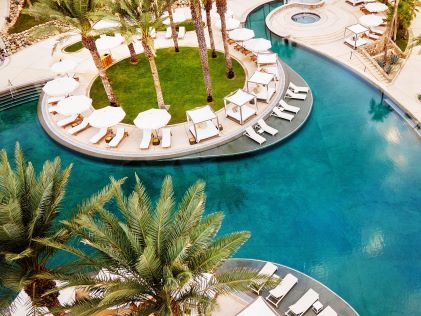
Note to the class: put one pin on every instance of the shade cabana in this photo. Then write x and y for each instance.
(267, 58)
(238, 106)
(202, 123)
(355, 39)
(264, 85)
(258, 307)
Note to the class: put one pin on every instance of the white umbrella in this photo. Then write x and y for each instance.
(106, 117)
(376, 7)
(179, 15)
(73, 105)
(152, 119)
(371, 20)
(108, 42)
(257, 45)
(242, 34)
(64, 66)
(60, 86)
(105, 24)
(228, 14)
(231, 23)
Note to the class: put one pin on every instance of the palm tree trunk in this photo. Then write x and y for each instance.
(154, 71)
(395, 20)
(210, 31)
(36, 291)
(228, 60)
(89, 43)
(197, 18)
(133, 56)
(173, 30)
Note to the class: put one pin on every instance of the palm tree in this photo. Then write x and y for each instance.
(77, 14)
(159, 254)
(196, 13)
(168, 4)
(208, 7)
(30, 204)
(221, 7)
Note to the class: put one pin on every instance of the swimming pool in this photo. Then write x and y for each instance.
(339, 200)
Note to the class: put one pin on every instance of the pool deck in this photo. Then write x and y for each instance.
(305, 282)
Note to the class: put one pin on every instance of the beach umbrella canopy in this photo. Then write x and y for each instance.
(152, 119)
(371, 20)
(64, 66)
(106, 24)
(60, 86)
(106, 117)
(179, 15)
(257, 45)
(215, 14)
(231, 23)
(108, 42)
(376, 7)
(73, 105)
(242, 34)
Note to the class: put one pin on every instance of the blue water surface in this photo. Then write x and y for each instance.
(339, 201)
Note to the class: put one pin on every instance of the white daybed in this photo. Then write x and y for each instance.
(203, 123)
(262, 82)
(258, 308)
(237, 106)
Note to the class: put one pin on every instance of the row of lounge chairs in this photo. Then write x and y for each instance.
(277, 294)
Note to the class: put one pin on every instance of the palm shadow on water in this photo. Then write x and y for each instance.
(378, 110)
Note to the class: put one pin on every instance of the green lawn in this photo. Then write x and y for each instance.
(181, 79)
(73, 47)
(25, 22)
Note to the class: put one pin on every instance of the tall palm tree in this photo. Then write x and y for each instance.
(77, 14)
(196, 13)
(208, 7)
(30, 203)
(158, 252)
(168, 4)
(221, 7)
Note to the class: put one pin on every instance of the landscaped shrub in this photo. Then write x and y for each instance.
(388, 68)
(394, 59)
(381, 62)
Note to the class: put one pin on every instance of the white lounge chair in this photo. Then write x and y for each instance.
(119, 136)
(328, 311)
(251, 133)
(278, 293)
(373, 36)
(166, 137)
(297, 96)
(290, 108)
(79, 128)
(377, 31)
(146, 139)
(168, 33)
(297, 89)
(68, 120)
(98, 136)
(266, 128)
(277, 112)
(268, 270)
(181, 32)
(303, 304)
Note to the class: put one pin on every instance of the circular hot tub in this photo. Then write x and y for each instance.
(305, 17)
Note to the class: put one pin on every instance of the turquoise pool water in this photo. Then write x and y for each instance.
(339, 201)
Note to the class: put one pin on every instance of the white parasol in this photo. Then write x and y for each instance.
(179, 15)
(228, 14)
(376, 7)
(152, 119)
(106, 24)
(64, 66)
(108, 42)
(257, 45)
(231, 23)
(106, 117)
(73, 105)
(60, 86)
(242, 34)
(370, 20)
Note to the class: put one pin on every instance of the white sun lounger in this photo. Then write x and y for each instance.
(268, 270)
(281, 114)
(79, 128)
(168, 33)
(68, 120)
(297, 89)
(181, 32)
(146, 139)
(290, 108)
(251, 133)
(119, 135)
(297, 96)
(278, 293)
(328, 311)
(266, 128)
(98, 136)
(258, 308)
(166, 138)
(303, 304)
